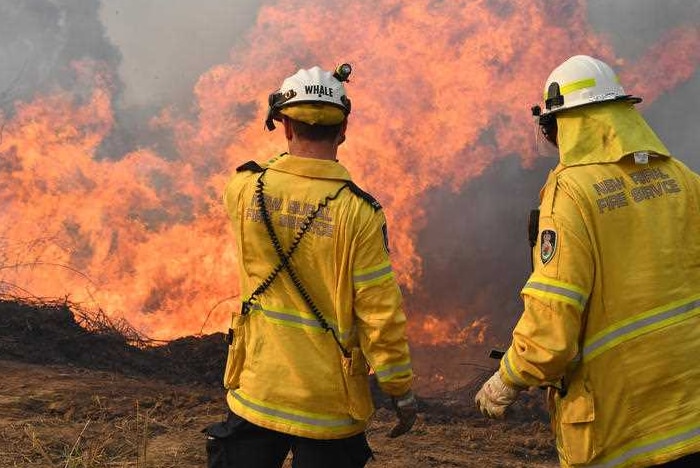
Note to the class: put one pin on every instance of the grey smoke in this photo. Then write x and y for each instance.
(635, 25)
(475, 248)
(38, 41)
(159, 48)
(156, 49)
(488, 254)
(167, 44)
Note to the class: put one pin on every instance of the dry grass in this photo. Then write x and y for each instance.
(95, 395)
(62, 417)
(67, 417)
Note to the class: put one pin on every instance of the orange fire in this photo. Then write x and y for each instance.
(145, 237)
(433, 329)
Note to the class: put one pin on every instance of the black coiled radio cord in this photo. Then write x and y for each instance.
(285, 258)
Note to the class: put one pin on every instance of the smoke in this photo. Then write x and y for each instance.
(153, 102)
(487, 217)
(153, 51)
(674, 117)
(158, 49)
(475, 246)
(39, 39)
(633, 26)
(166, 45)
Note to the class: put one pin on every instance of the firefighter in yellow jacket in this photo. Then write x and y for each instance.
(612, 308)
(321, 305)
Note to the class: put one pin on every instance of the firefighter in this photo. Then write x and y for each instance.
(612, 307)
(321, 303)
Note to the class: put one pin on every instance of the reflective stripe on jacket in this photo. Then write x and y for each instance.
(613, 307)
(292, 380)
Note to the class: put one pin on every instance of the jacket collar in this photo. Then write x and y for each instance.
(309, 167)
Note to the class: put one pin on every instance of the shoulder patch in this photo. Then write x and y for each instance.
(548, 245)
(250, 166)
(364, 195)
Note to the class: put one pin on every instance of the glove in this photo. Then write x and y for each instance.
(495, 396)
(406, 408)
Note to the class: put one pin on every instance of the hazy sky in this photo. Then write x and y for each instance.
(161, 47)
(167, 44)
(632, 25)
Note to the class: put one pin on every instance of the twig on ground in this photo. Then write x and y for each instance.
(37, 445)
(145, 438)
(70, 455)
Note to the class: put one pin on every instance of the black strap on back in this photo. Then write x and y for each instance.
(285, 258)
(251, 166)
(533, 229)
(364, 195)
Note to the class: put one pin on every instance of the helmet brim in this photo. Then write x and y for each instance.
(625, 98)
(314, 113)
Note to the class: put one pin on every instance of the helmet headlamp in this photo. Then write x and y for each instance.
(342, 72)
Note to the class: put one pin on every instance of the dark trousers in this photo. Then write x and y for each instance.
(689, 461)
(238, 443)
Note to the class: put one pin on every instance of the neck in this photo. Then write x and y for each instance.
(313, 149)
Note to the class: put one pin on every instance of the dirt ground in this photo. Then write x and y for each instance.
(87, 400)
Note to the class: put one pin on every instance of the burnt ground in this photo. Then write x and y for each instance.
(78, 390)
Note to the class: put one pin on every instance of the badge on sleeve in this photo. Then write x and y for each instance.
(548, 245)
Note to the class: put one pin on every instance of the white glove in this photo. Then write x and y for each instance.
(495, 396)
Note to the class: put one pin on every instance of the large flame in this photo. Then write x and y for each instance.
(440, 91)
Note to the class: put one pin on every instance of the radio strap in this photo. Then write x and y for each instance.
(285, 258)
(533, 228)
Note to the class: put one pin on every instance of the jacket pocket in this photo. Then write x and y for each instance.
(355, 376)
(577, 421)
(236, 352)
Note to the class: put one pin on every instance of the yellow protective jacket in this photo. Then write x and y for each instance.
(284, 372)
(612, 308)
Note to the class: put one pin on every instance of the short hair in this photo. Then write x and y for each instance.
(315, 132)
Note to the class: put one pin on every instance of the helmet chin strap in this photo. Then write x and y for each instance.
(547, 124)
(275, 101)
(269, 121)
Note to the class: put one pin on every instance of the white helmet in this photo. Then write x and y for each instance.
(579, 81)
(314, 96)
